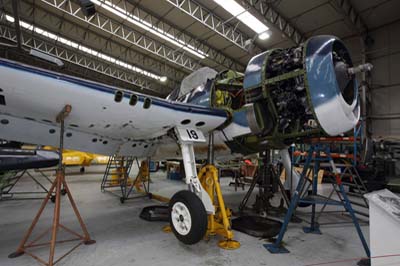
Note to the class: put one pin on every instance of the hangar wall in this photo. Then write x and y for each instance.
(384, 106)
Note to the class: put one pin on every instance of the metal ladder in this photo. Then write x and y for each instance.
(120, 166)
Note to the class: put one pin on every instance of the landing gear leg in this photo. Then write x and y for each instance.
(189, 209)
(193, 213)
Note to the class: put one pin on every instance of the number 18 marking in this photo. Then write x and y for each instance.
(192, 134)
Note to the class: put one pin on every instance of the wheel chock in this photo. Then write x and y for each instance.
(229, 244)
(167, 229)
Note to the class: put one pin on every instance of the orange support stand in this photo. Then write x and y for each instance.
(56, 188)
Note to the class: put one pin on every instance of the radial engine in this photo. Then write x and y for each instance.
(303, 91)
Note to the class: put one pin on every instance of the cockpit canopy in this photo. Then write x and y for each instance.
(195, 87)
(206, 87)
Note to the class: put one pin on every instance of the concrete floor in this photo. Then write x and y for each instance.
(124, 239)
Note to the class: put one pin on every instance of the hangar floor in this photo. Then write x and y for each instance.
(124, 239)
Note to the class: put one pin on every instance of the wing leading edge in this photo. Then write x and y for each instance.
(104, 119)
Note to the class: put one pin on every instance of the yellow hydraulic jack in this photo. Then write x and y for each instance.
(143, 175)
(218, 223)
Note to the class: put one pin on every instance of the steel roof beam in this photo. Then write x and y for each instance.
(127, 34)
(212, 21)
(74, 57)
(273, 17)
(16, 23)
(54, 23)
(352, 17)
(219, 58)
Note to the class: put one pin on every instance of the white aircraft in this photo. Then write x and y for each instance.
(285, 95)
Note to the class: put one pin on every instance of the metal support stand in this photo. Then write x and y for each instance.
(314, 154)
(268, 181)
(56, 188)
(142, 178)
(218, 223)
(237, 180)
(7, 193)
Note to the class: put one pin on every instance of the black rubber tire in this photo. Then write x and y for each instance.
(198, 215)
(53, 198)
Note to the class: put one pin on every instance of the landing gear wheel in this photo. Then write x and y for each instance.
(188, 217)
(53, 198)
(82, 170)
(122, 200)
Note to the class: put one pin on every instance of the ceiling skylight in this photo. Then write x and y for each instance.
(245, 17)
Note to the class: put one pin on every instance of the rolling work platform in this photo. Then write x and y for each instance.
(317, 154)
(116, 175)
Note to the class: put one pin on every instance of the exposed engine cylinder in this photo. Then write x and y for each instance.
(302, 91)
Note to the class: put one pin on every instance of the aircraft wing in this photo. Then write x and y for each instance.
(104, 119)
(17, 159)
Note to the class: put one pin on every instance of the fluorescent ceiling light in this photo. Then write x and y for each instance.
(85, 49)
(46, 57)
(263, 36)
(116, 10)
(163, 79)
(245, 17)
